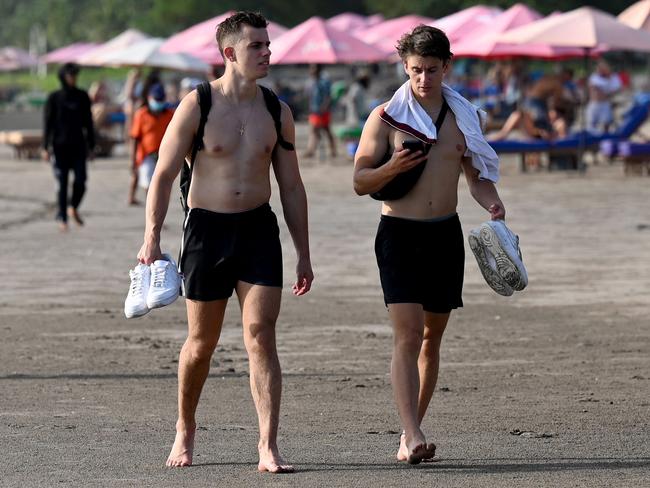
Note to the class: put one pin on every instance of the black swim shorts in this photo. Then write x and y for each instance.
(421, 261)
(220, 249)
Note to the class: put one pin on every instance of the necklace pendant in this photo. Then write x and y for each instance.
(241, 130)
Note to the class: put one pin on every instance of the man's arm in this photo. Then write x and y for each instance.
(483, 191)
(171, 156)
(373, 145)
(294, 202)
(48, 113)
(88, 123)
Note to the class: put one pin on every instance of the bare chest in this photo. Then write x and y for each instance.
(449, 148)
(240, 133)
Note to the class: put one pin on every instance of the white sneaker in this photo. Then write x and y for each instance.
(135, 304)
(498, 256)
(165, 283)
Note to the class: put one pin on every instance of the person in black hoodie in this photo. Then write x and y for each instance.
(69, 136)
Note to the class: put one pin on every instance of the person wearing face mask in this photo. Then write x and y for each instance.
(147, 130)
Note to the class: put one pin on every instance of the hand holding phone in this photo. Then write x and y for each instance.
(413, 145)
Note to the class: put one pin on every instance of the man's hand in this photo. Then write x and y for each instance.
(304, 277)
(404, 159)
(497, 212)
(149, 252)
(45, 154)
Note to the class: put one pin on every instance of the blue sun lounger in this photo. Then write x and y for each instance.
(635, 116)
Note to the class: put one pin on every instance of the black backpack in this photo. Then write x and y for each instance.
(205, 103)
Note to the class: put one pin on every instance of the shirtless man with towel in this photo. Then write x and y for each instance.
(419, 244)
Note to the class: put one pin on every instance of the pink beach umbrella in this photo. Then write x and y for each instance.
(200, 39)
(14, 58)
(386, 34)
(486, 42)
(374, 19)
(465, 22)
(585, 27)
(125, 39)
(637, 15)
(69, 54)
(347, 22)
(314, 41)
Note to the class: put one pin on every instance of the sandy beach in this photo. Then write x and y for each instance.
(550, 387)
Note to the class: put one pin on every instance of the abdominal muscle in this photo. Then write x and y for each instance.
(230, 184)
(436, 192)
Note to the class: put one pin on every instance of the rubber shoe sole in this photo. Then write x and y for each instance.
(489, 273)
(162, 301)
(133, 313)
(497, 238)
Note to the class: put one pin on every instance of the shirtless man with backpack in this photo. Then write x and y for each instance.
(230, 237)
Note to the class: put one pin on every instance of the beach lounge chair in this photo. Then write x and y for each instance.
(636, 157)
(635, 116)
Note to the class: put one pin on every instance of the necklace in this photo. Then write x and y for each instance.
(242, 128)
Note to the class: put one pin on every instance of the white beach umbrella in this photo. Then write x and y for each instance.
(147, 53)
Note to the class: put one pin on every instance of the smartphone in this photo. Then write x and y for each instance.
(415, 145)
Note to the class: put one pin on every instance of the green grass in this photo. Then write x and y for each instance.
(25, 81)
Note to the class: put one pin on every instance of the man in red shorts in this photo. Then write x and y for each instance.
(320, 104)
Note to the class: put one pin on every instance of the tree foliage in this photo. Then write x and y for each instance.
(66, 21)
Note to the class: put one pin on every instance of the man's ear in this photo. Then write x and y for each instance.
(446, 66)
(229, 53)
(406, 67)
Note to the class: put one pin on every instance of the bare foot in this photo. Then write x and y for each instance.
(272, 462)
(402, 452)
(431, 453)
(181, 453)
(63, 226)
(417, 449)
(72, 212)
(134, 203)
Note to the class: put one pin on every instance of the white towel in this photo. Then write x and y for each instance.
(404, 113)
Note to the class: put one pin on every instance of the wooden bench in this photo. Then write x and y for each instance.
(27, 144)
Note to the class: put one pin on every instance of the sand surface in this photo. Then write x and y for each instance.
(550, 387)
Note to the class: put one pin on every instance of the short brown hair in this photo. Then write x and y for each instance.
(425, 41)
(231, 27)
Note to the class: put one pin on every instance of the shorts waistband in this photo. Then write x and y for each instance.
(434, 220)
(263, 209)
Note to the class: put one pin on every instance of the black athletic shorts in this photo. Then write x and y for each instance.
(421, 261)
(220, 249)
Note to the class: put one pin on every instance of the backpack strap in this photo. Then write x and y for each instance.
(441, 115)
(275, 109)
(204, 92)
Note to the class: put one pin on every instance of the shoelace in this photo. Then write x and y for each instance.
(159, 275)
(136, 282)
